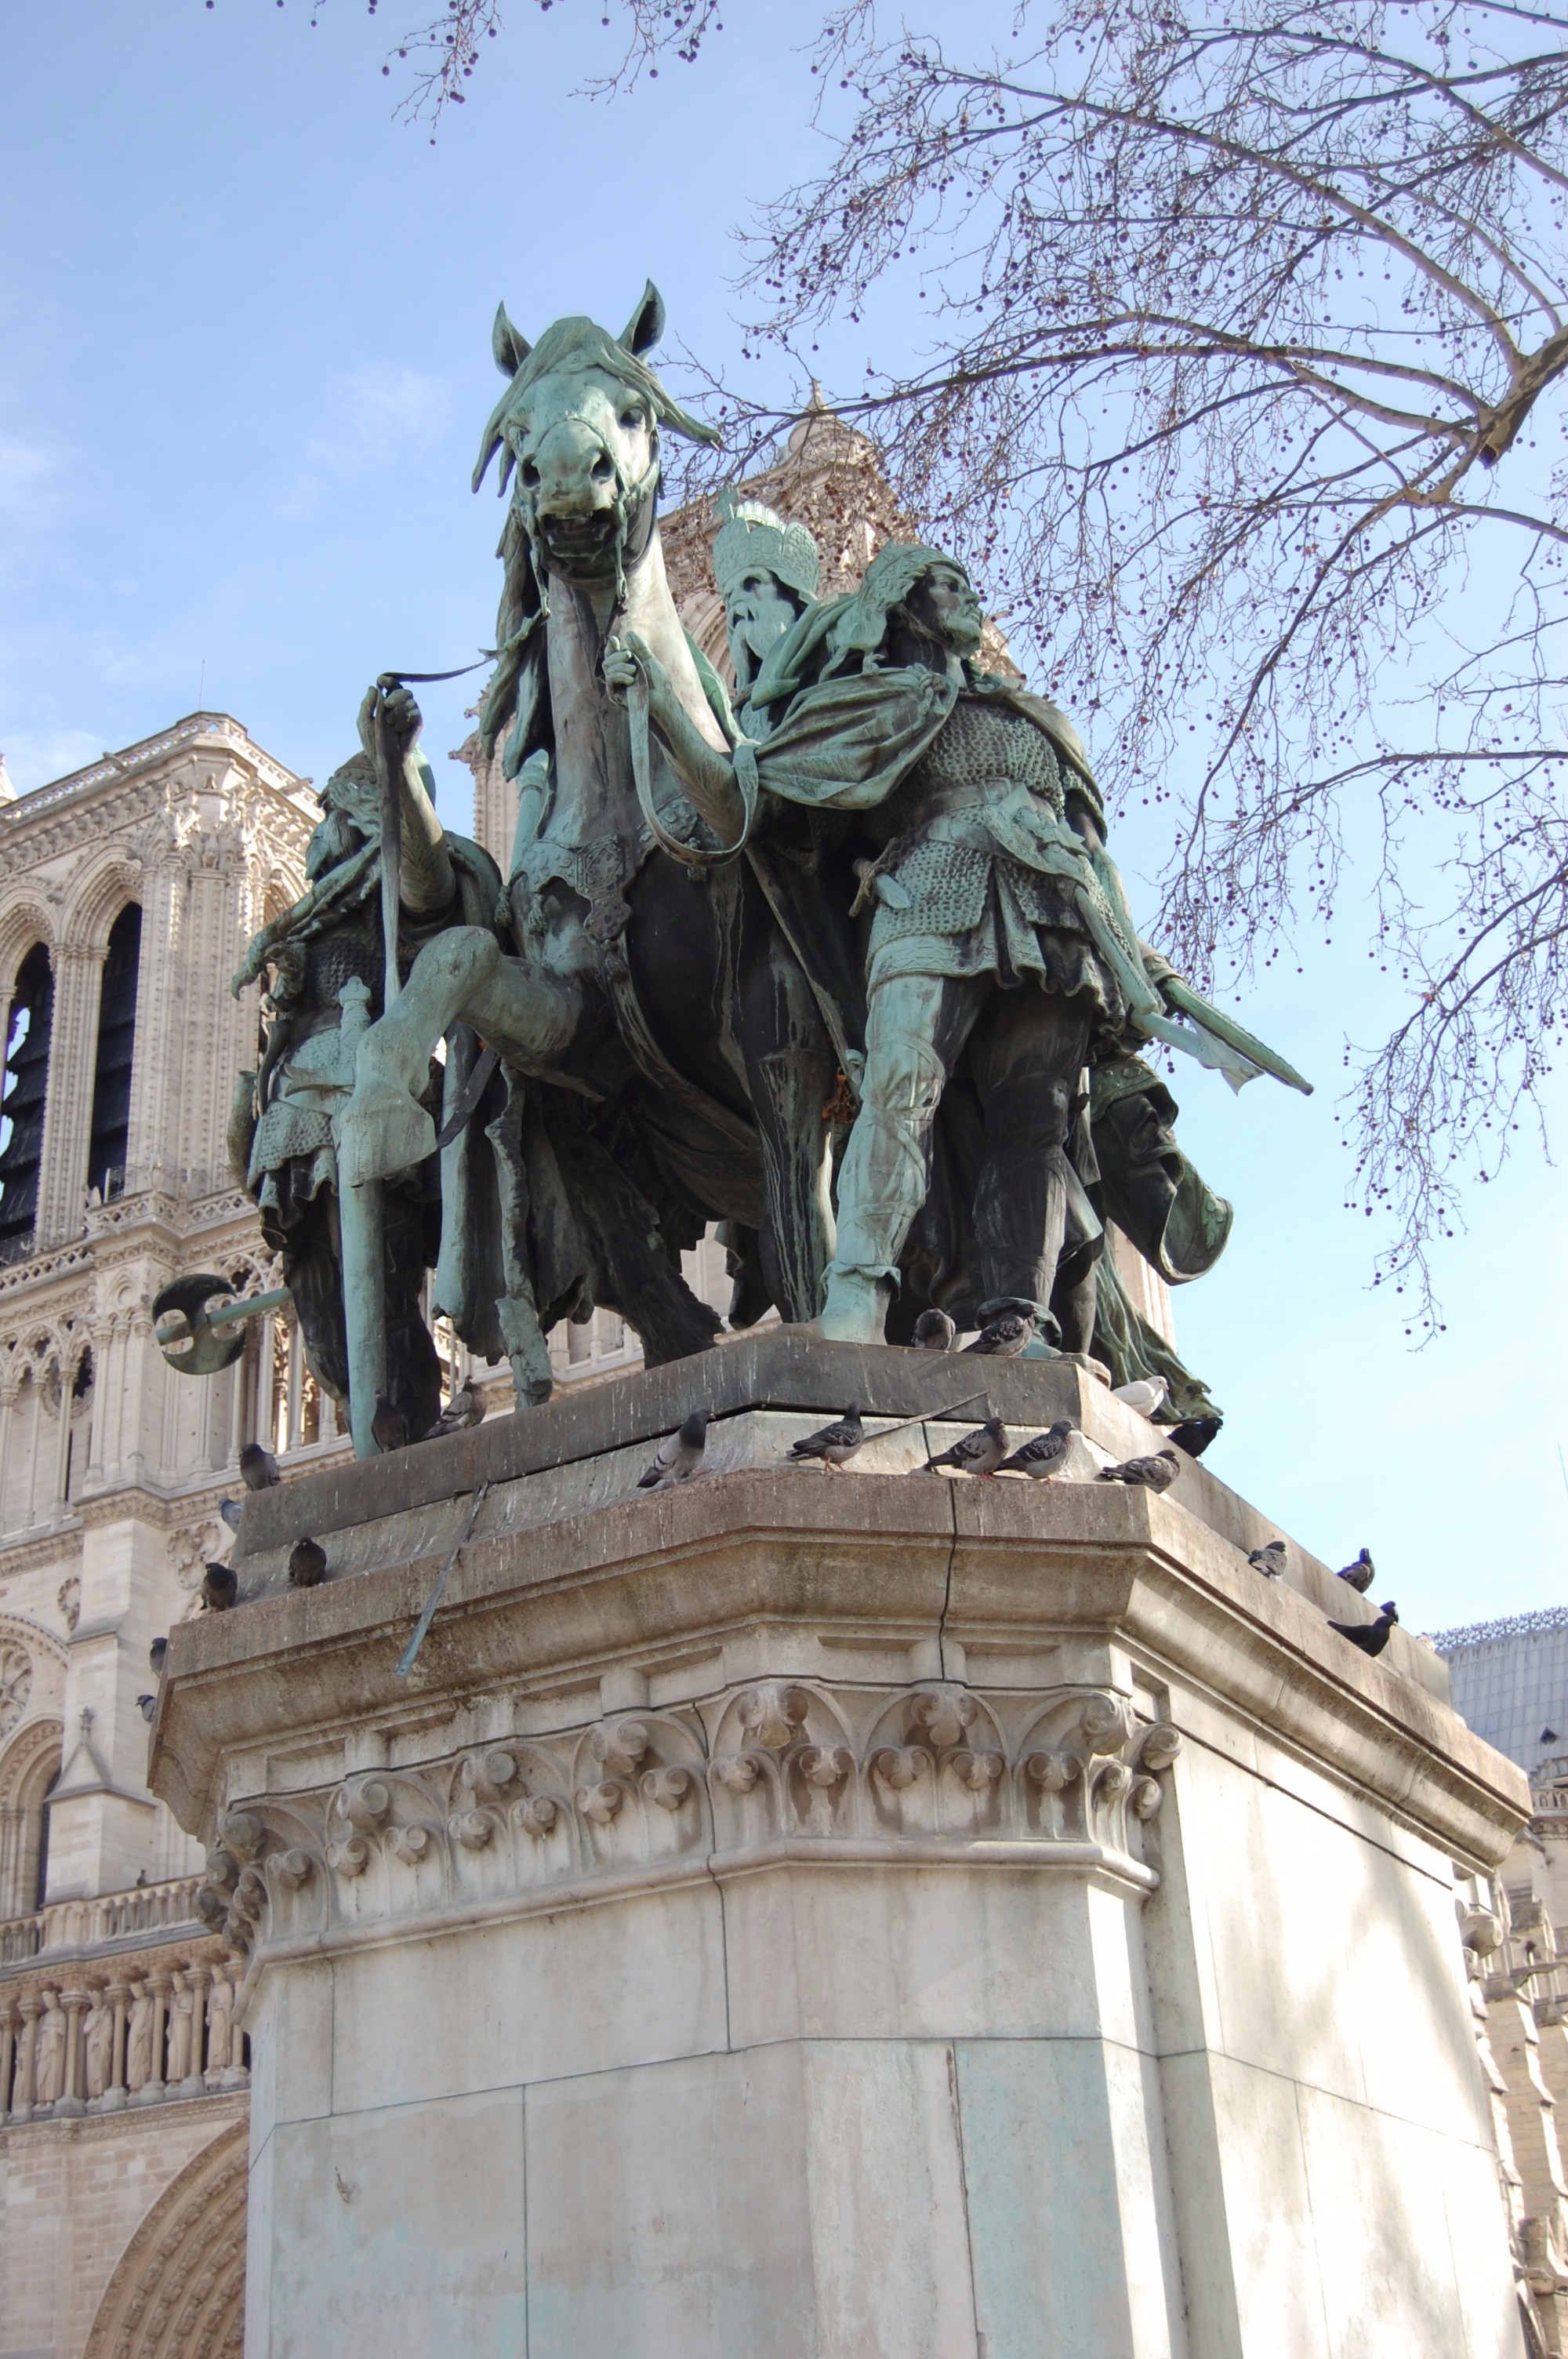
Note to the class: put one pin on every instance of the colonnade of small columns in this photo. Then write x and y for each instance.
(97, 2043)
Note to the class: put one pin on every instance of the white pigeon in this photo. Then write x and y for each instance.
(677, 1460)
(1146, 1396)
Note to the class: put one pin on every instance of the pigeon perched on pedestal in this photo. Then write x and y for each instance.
(1146, 1396)
(980, 1452)
(232, 1510)
(389, 1426)
(1155, 1474)
(835, 1443)
(934, 1331)
(147, 1706)
(156, 1653)
(1268, 1559)
(679, 1458)
(464, 1410)
(1370, 1636)
(1005, 1337)
(307, 1563)
(1361, 1574)
(219, 1587)
(258, 1467)
(1195, 1435)
(1045, 1456)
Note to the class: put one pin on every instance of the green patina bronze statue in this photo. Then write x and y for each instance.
(864, 911)
(999, 939)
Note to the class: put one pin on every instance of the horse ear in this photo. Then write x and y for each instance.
(647, 325)
(510, 349)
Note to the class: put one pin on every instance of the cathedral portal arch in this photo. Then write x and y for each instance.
(179, 2289)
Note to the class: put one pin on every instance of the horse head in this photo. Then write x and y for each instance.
(578, 427)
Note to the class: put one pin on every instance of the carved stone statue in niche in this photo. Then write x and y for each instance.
(98, 2044)
(220, 2027)
(139, 2038)
(50, 2082)
(181, 2029)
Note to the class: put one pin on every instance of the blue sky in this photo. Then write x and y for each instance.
(245, 360)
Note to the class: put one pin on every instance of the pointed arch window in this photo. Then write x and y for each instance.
(24, 1082)
(116, 1049)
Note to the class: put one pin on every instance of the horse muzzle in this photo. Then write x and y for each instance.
(580, 545)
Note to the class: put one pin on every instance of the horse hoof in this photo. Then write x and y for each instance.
(380, 1131)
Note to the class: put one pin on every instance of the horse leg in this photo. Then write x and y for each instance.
(790, 1071)
(465, 974)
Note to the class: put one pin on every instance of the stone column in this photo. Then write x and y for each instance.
(114, 2095)
(68, 1111)
(197, 1980)
(9, 2020)
(70, 2099)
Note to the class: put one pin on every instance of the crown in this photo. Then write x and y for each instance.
(752, 534)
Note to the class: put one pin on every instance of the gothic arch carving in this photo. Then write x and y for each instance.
(29, 1765)
(43, 1645)
(179, 2289)
(22, 923)
(97, 899)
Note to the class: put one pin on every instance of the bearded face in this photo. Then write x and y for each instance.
(758, 611)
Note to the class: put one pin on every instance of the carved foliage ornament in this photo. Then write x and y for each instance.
(16, 1683)
(1070, 1777)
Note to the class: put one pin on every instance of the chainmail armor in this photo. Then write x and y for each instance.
(986, 745)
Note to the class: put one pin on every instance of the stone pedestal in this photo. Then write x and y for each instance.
(823, 1916)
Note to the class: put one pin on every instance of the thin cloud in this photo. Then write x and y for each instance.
(35, 757)
(373, 416)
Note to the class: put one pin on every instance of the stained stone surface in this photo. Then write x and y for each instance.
(836, 1914)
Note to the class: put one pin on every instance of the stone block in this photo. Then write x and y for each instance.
(838, 1913)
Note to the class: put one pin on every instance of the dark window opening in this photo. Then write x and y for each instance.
(23, 1081)
(43, 1876)
(116, 1046)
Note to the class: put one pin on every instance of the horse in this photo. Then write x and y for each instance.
(662, 997)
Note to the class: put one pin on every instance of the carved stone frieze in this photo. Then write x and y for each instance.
(1068, 1777)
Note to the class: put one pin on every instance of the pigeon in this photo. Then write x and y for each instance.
(1195, 1435)
(1144, 1473)
(155, 1653)
(1006, 1336)
(258, 1467)
(307, 1563)
(389, 1426)
(934, 1331)
(980, 1452)
(679, 1458)
(147, 1706)
(1361, 1574)
(465, 1408)
(833, 1443)
(219, 1587)
(1370, 1636)
(1146, 1396)
(1268, 1559)
(232, 1510)
(1042, 1457)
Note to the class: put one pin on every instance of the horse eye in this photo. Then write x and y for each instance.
(631, 419)
(529, 471)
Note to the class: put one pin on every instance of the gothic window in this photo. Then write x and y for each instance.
(23, 1081)
(116, 1046)
(28, 1768)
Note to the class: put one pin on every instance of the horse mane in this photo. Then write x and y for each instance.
(568, 347)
